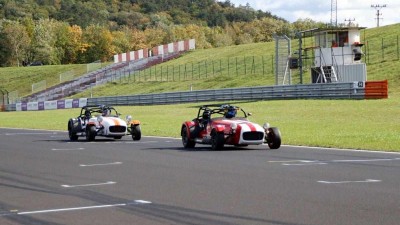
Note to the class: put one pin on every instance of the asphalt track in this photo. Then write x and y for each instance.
(45, 179)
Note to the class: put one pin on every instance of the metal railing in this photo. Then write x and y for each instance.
(279, 92)
(351, 90)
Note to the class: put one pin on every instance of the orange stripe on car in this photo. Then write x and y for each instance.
(116, 121)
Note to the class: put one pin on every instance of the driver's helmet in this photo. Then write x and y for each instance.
(87, 114)
(206, 114)
(106, 112)
(231, 112)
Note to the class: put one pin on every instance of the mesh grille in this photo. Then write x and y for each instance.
(252, 136)
(114, 129)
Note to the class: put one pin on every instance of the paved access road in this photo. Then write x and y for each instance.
(45, 179)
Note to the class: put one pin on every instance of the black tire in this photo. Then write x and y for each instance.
(71, 133)
(274, 138)
(186, 141)
(90, 133)
(217, 140)
(136, 132)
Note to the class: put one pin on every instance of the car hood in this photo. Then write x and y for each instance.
(113, 121)
(110, 121)
(244, 124)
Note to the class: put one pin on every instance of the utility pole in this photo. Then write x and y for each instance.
(349, 20)
(378, 13)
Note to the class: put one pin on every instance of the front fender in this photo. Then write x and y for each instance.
(135, 122)
(189, 126)
(219, 128)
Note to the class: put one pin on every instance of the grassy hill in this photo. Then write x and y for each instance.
(365, 124)
(383, 62)
(20, 79)
(234, 66)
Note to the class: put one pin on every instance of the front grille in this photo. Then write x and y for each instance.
(253, 136)
(117, 129)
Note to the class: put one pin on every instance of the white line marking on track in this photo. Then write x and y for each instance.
(11, 134)
(303, 164)
(139, 202)
(67, 149)
(365, 160)
(345, 182)
(88, 185)
(101, 164)
(15, 212)
(318, 162)
(176, 138)
(119, 142)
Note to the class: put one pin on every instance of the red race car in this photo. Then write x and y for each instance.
(219, 126)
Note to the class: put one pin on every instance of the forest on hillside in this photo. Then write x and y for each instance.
(83, 31)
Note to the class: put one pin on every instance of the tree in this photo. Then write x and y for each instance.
(221, 38)
(137, 39)
(44, 42)
(203, 35)
(305, 24)
(17, 40)
(121, 40)
(154, 37)
(99, 41)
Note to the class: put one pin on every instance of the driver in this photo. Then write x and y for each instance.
(231, 112)
(88, 114)
(206, 118)
(106, 112)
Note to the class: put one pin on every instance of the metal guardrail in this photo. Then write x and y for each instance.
(352, 90)
(308, 91)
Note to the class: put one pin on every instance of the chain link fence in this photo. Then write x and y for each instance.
(379, 50)
(232, 66)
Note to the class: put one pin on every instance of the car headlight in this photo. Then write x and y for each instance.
(266, 126)
(99, 119)
(234, 127)
(128, 118)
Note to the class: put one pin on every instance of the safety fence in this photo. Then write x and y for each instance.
(351, 90)
(279, 92)
(231, 67)
(382, 49)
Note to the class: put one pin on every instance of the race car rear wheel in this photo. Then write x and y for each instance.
(273, 138)
(90, 133)
(187, 143)
(217, 140)
(71, 133)
(136, 132)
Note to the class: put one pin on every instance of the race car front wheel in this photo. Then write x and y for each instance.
(71, 133)
(187, 143)
(136, 132)
(217, 140)
(90, 133)
(273, 137)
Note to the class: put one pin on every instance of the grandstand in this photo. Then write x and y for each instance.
(98, 77)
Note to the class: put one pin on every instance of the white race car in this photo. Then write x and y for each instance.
(102, 121)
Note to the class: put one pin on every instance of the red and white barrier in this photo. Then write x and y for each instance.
(180, 46)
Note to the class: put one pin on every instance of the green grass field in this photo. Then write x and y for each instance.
(355, 124)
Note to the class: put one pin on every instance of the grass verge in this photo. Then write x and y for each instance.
(355, 124)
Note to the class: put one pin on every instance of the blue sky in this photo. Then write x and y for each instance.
(317, 10)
